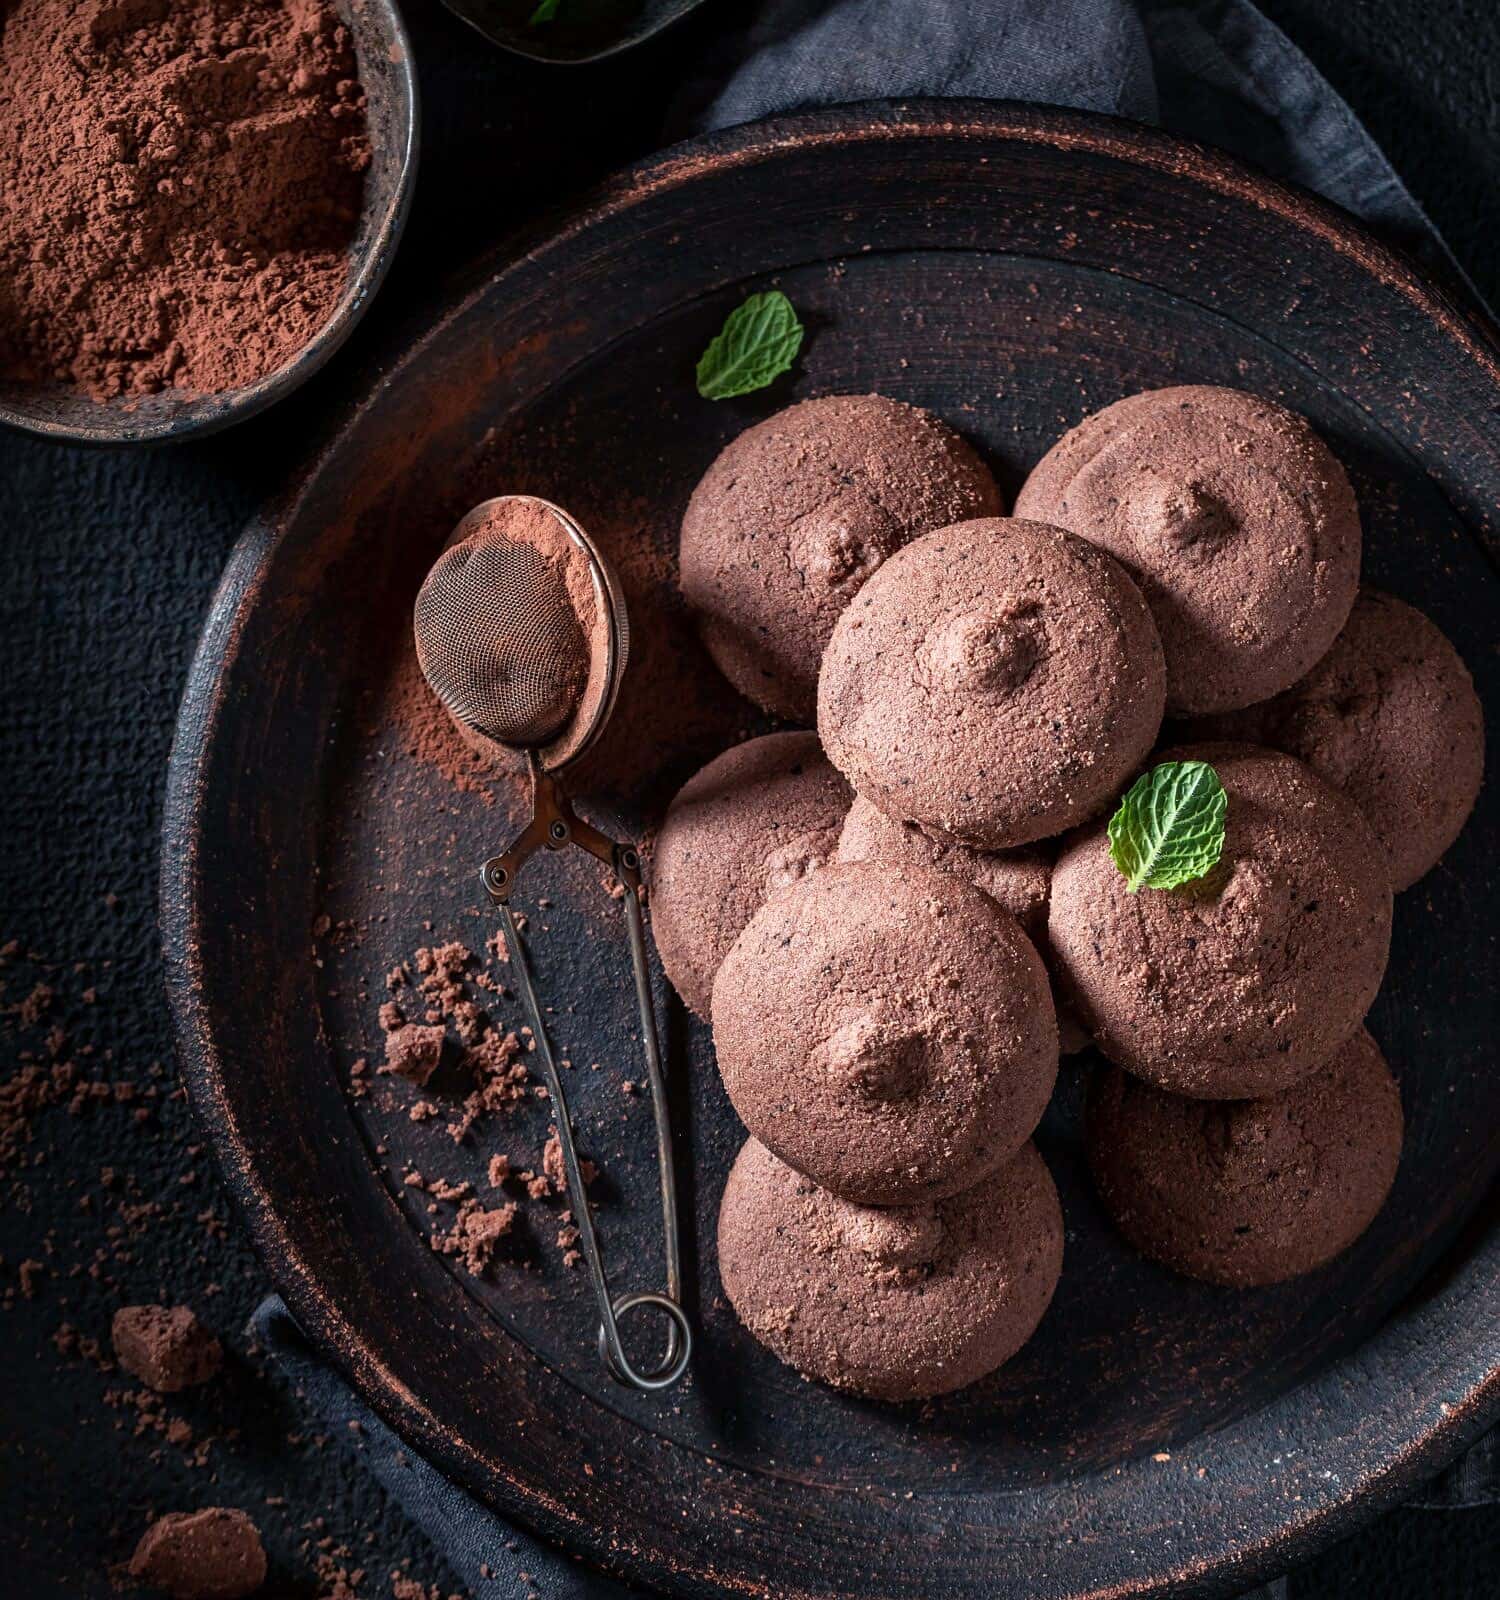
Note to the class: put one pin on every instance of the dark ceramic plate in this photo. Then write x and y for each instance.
(579, 31)
(1012, 268)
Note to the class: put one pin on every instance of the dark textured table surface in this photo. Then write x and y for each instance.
(111, 562)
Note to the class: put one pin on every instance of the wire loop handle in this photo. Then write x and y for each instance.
(554, 825)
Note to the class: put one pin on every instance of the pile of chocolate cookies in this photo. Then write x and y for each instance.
(896, 923)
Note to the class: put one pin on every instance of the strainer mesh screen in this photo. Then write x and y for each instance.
(499, 642)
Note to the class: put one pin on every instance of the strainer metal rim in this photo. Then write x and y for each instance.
(570, 744)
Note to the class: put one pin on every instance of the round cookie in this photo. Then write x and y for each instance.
(1019, 880)
(1233, 516)
(1389, 716)
(796, 513)
(758, 817)
(1245, 1192)
(898, 1303)
(1239, 984)
(995, 682)
(893, 1038)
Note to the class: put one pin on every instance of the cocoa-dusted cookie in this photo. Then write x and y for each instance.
(1243, 982)
(796, 513)
(995, 682)
(893, 1038)
(1019, 880)
(1389, 716)
(758, 817)
(1233, 516)
(1246, 1192)
(897, 1303)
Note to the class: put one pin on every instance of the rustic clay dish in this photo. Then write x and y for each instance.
(1011, 268)
(389, 77)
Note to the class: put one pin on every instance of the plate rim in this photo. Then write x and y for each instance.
(1266, 1542)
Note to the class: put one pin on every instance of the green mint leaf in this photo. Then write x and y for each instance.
(757, 343)
(545, 12)
(1170, 826)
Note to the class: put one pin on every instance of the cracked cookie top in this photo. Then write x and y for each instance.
(891, 1035)
(1235, 519)
(797, 513)
(1246, 1192)
(1243, 982)
(995, 683)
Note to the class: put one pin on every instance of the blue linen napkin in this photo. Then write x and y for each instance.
(1215, 70)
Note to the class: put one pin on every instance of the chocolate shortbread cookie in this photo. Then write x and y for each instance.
(895, 1303)
(892, 1038)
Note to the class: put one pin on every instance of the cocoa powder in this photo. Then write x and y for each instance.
(182, 180)
(213, 1554)
(166, 1347)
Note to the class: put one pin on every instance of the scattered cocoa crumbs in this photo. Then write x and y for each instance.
(499, 1170)
(475, 1233)
(144, 1411)
(335, 1581)
(167, 1348)
(443, 973)
(405, 1588)
(35, 1006)
(568, 1238)
(468, 1020)
(70, 1344)
(50, 1071)
(413, 1051)
(552, 1164)
(500, 1081)
(213, 1554)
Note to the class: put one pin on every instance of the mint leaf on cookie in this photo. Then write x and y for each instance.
(1169, 828)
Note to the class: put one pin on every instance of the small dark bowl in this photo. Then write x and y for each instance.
(56, 411)
(605, 30)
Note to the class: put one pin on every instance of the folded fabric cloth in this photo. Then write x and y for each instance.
(1215, 70)
(492, 1559)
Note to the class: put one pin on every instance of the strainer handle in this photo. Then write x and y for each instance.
(626, 863)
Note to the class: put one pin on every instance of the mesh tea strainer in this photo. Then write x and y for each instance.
(493, 621)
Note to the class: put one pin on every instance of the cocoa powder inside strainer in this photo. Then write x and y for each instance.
(499, 651)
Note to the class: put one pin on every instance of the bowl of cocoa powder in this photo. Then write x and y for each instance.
(201, 200)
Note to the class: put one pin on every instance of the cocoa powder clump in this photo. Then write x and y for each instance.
(213, 1554)
(166, 1347)
(476, 1233)
(413, 1051)
(182, 180)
